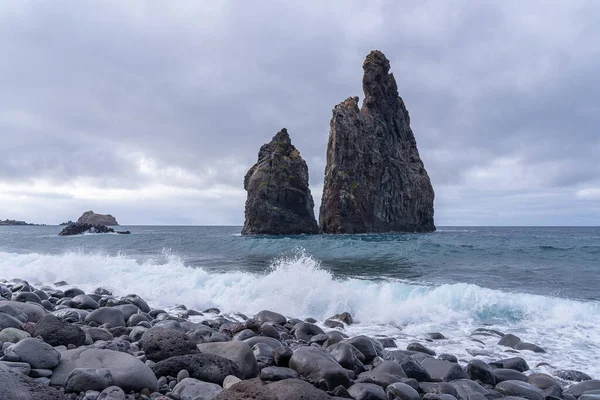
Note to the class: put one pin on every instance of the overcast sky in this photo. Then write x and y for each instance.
(154, 111)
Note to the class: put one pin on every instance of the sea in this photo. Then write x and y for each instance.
(539, 283)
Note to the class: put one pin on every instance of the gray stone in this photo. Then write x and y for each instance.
(401, 391)
(112, 393)
(365, 345)
(128, 372)
(277, 374)
(107, 315)
(296, 389)
(520, 389)
(35, 352)
(20, 367)
(201, 366)
(159, 344)
(7, 321)
(83, 301)
(567, 375)
(480, 371)
(252, 389)
(375, 180)
(505, 374)
(418, 347)
(16, 386)
(579, 388)
(304, 331)
(57, 332)
(316, 365)
(193, 389)
(238, 352)
(127, 309)
(138, 302)
(279, 200)
(12, 335)
(26, 296)
(84, 379)
(367, 391)
(230, 380)
(516, 363)
(40, 373)
(443, 370)
(466, 389)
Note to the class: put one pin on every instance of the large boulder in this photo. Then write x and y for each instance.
(520, 389)
(128, 372)
(375, 180)
(57, 332)
(295, 389)
(238, 352)
(279, 199)
(33, 351)
(90, 217)
(16, 386)
(253, 389)
(160, 343)
(318, 366)
(201, 366)
(193, 389)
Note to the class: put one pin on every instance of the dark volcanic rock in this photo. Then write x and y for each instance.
(279, 200)
(57, 332)
(160, 343)
(79, 228)
(17, 386)
(90, 217)
(375, 180)
(201, 366)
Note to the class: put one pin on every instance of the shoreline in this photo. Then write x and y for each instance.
(268, 351)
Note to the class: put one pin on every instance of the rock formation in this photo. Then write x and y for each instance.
(79, 228)
(90, 217)
(279, 200)
(375, 180)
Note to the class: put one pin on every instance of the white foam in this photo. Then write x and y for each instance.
(298, 287)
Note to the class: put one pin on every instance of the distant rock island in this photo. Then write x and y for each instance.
(279, 200)
(375, 180)
(90, 217)
(79, 228)
(12, 222)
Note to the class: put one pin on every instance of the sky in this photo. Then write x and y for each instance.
(154, 111)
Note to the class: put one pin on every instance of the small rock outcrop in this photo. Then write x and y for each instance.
(375, 180)
(79, 228)
(279, 199)
(90, 217)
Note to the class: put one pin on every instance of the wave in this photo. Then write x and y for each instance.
(296, 286)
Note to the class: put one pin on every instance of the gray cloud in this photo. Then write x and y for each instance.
(172, 102)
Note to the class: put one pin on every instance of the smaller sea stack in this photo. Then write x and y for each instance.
(279, 199)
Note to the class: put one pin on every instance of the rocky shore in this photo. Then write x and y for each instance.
(61, 343)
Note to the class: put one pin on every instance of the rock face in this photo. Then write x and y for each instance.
(90, 217)
(375, 180)
(279, 200)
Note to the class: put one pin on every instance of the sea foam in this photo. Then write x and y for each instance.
(297, 286)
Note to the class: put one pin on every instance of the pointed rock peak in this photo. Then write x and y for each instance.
(279, 200)
(378, 84)
(282, 137)
(376, 64)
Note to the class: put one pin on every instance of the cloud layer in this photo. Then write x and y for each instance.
(153, 112)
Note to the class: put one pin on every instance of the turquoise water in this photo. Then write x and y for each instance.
(538, 283)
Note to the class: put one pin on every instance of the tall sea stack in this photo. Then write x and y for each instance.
(375, 180)
(279, 200)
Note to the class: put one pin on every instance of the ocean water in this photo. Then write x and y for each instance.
(541, 284)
